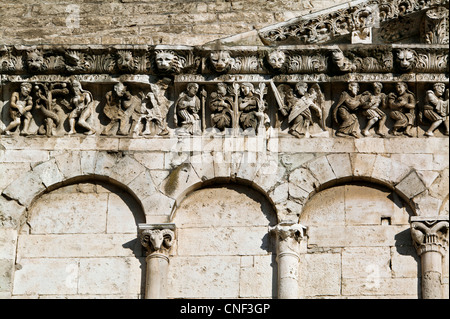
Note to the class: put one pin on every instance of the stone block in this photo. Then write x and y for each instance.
(24, 156)
(157, 204)
(366, 263)
(370, 145)
(126, 170)
(48, 276)
(82, 214)
(405, 262)
(204, 277)
(303, 178)
(25, 188)
(69, 164)
(88, 160)
(226, 241)
(77, 245)
(12, 214)
(320, 274)
(259, 279)
(325, 208)
(151, 160)
(411, 185)
(9, 172)
(341, 165)
(113, 276)
(49, 173)
(180, 181)
(124, 214)
(142, 186)
(322, 170)
(362, 164)
(280, 193)
(381, 287)
(388, 170)
(355, 236)
(203, 164)
(269, 174)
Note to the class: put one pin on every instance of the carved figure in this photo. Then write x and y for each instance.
(157, 240)
(20, 109)
(299, 106)
(221, 106)
(403, 106)
(120, 105)
(221, 61)
(345, 110)
(372, 111)
(436, 108)
(186, 108)
(168, 61)
(82, 103)
(49, 97)
(406, 59)
(251, 107)
(276, 59)
(155, 109)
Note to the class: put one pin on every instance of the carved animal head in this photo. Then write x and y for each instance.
(276, 59)
(221, 61)
(406, 59)
(126, 62)
(157, 239)
(168, 61)
(35, 60)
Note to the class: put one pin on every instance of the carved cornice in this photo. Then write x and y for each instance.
(174, 60)
(327, 25)
(430, 234)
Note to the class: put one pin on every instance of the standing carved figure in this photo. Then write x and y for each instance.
(436, 108)
(299, 106)
(20, 109)
(345, 110)
(252, 114)
(372, 111)
(221, 106)
(402, 105)
(82, 103)
(119, 106)
(186, 109)
(157, 107)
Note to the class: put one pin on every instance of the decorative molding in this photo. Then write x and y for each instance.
(430, 234)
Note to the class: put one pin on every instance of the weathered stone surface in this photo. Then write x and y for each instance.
(320, 275)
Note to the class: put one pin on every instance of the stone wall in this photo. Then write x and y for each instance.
(301, 159)
(191, 22)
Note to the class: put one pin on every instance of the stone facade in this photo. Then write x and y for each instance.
(277, 158)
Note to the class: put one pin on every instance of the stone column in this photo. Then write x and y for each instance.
(157, 240)
(288, 235)
(430, 237)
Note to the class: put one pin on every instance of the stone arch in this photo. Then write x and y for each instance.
(222, 242)
(335, 169)
(116, 168)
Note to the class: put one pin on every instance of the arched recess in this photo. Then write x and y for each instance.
(79, 241)
(223, 248)
(358, 244)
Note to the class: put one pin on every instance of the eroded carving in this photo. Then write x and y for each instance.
(436, 108)
(187, 108)
(221, 105)
(157, 240)
(372, 111)
(402, 104)
(168, 61)
(344, 113)
(297, 106)
(221, 61)
(251, 106)
(20, 110)
(82, 104)
(435, 26)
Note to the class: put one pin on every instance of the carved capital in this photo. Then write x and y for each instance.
(430, 234)
(157, 238)
(288, 230)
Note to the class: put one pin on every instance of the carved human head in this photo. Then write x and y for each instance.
(120, 89)
(401, 87)
(353, 87)
(25, 88)
(405, 59)
(439, 89)
(192, 89)
(301, 88)
(247, 88)
(377, 87)
(222, 88)
(276, 59)
(221, 60)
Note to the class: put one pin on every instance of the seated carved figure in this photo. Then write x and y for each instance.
(402, 107)
(250, 116)
(344, 112)
(436, 108)
(119, 106)
(20, 109)
(187, 107)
